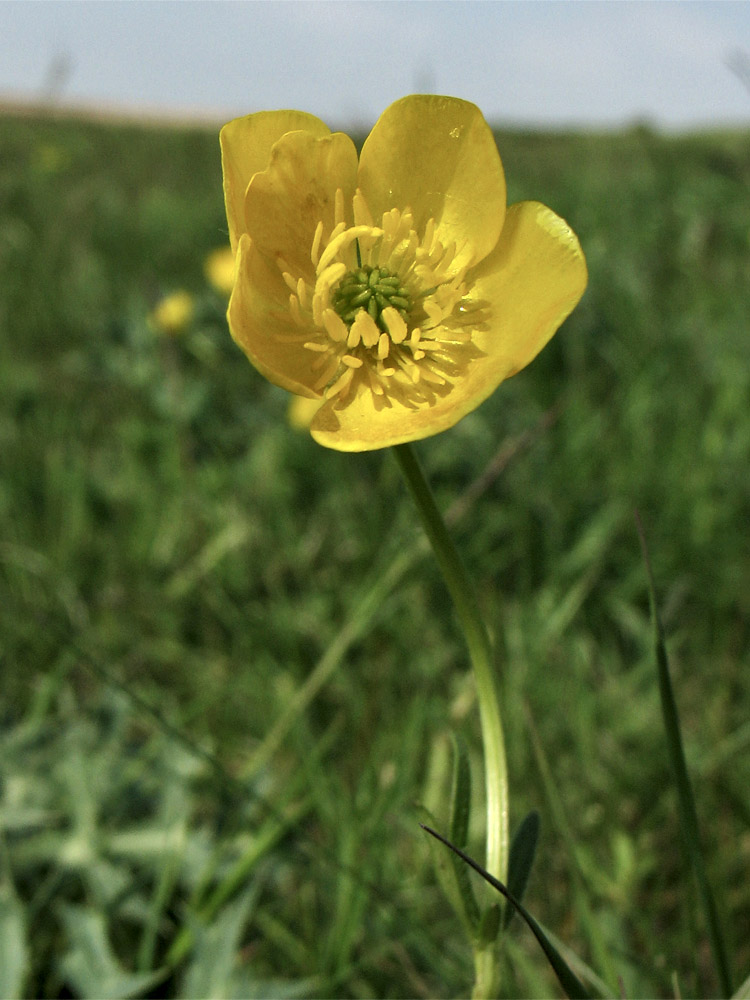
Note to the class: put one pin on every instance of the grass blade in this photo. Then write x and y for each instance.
(589, 923)
(14, 950)
(459, 826)
(520, 860)
(688, 813)
(572, 985)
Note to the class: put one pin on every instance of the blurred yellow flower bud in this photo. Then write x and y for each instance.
(173, 313)
(218, 268)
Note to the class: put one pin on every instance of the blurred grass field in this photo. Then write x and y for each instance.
(175, 561)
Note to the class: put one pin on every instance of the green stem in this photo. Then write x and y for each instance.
(482, 660)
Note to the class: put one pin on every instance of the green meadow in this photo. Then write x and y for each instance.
(230, 669)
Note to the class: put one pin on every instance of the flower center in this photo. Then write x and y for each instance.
(386, 311)
(372, 289)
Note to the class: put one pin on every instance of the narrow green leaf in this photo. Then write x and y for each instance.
(688, 811)
(448, 877)
(591, 926)
(459, 826)
(590, 979)
(14, 952)
(521, 859)
(460, 793)
(573, 987)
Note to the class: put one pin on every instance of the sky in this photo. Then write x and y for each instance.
(581, 63)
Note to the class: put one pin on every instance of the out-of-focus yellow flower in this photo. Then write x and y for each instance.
(173, 313)
(394, 289)
(218, 268)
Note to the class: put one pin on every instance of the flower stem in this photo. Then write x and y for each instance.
(482, 660)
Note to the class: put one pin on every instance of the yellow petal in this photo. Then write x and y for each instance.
(260, 322)
(437, 156)
(300, 412)
(365, 424)
(533, 280)
(286, 201)
(246, 148)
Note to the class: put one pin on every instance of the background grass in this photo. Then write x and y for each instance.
(175, 561)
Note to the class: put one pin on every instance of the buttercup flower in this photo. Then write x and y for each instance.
(173, 313)
(218, 268)
(395, 288)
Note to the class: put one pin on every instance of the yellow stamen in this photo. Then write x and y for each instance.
(354, 337)
(362, 215)
(387, 312)
(338, 208)
(340, 242)
(326, 375)
(328, 277)
(431, 345)
(319, 305)
(395, 324)
(315, 252)
(336, 327)
(321, 360)
(430, 376)
(337, 230)
(367, 329)
(294, 309)
(341, 384)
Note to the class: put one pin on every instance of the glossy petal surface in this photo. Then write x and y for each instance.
(285, 202)
(437, 155)
(260, 324)
(534, 279)
(245, 149)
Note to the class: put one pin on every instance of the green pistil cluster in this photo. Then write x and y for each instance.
(372, 289)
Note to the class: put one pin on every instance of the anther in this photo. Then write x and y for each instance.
(335, 326)
(315, 252)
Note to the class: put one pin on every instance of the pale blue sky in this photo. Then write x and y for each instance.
(539, 63)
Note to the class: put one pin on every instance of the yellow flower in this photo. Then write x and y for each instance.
(395, 288)
(218, 268)
(173, 313)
